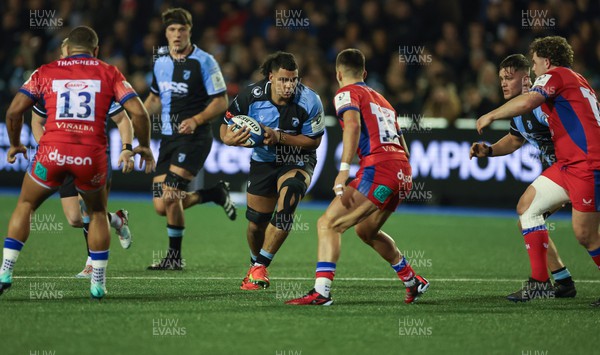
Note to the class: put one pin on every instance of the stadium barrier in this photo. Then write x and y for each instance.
(443, 174)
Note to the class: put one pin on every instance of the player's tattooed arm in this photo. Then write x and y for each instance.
(279, 137)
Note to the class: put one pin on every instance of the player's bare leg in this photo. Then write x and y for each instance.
(98, 239)
(291, 188)
(343, 212)
(218, 194)
(118, 220)
(262, 208)
(370, 232)
(157, 193)
(173, 193)
(531, 209)
(72, 211)
(31, 197)
(355, 209)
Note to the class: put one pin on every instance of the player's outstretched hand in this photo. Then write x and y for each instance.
(147, 157)
(483, 122)
(271, 136)
(236, 138)
(11, 157)
(126, 160)
(339, 185)
(479, 150)
(188, 126)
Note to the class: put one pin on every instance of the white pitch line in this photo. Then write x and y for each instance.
(284, 279)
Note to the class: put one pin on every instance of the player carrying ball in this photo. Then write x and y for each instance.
(282, 168)
(371, 130)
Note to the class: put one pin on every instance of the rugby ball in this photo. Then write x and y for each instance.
(256, 130)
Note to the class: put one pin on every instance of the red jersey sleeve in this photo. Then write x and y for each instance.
(548, 84)
(122, 89)
(33, 86)
(346, 99)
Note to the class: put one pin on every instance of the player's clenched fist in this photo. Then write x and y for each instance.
(479, 150)
(11, 157)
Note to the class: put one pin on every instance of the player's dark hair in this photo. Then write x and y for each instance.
(176, 16)
(555, 48)
(84, 37)
(517, 62)
(276, 61)
(353, 60)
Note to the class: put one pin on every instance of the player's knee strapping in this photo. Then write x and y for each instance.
(174, 181)
(548, 195)
(257, 217)
(296, 188)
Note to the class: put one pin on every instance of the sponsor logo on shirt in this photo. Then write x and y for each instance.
(175, 87)
(68, 159)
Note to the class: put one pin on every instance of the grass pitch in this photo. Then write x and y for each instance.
(472, 263)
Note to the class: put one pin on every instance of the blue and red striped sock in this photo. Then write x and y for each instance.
(404, 270)
(324, 277)
(595, 254)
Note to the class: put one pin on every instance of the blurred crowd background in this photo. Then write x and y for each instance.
(434, 58)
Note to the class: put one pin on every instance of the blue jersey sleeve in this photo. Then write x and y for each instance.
(314, 126)
(541, 117)
(212, 76)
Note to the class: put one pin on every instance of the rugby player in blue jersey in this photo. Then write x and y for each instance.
(281, 169)
(187, 92)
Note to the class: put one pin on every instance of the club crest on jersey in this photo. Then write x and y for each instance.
(257, 91)
(187, 74)
(181, 157)
(41, 171)
(529, 124)
(381, 193)
(295, 121)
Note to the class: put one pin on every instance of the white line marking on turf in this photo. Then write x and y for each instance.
(286, 278)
